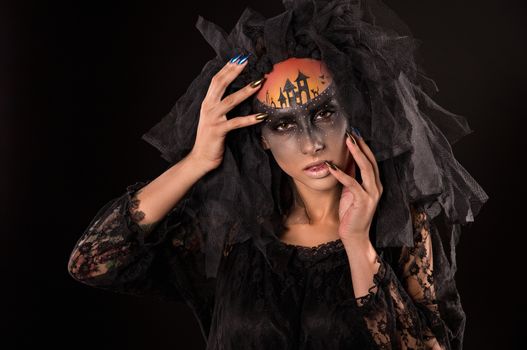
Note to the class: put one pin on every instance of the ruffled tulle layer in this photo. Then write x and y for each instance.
(383, 91)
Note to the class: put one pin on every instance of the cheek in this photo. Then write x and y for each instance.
(283, 148)
(334, 129)
(340, 122)
(334, 134)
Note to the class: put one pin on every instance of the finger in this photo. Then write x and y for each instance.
(365, 166)
(353, 170)
(346, 180)
(241, 122)
(223, 78)
(369, 153)
(351, 167)
(232, 100)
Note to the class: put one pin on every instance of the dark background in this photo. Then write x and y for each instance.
(80, 82)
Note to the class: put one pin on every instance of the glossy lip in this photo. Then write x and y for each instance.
(317, 172)
(314, 163)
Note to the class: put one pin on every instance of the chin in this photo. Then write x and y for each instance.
(322, 184)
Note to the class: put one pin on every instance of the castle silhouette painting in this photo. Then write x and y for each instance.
(294, 86)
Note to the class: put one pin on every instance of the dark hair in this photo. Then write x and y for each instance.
(381, 88)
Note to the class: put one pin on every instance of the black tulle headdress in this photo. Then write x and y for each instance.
(384, 92)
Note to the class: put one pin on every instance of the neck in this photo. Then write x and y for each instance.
(315, 207)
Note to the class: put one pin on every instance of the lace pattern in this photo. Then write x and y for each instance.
(107, 244)
(162, 260)
(317, 252)
(377, 278)
(401, 309)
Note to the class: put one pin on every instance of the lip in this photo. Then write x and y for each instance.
(317, 171)
(314, 163)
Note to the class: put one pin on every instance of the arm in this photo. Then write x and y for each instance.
(152, 202)
(364, 264)
(118, 245)
(401, 307)
(416, 267)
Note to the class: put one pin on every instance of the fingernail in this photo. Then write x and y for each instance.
(243, 59)
(261, 116)
(332, 166)
(257, 82)
(356, 131)
(351, 137)
(235, 58)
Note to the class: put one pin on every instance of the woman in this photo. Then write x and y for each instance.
(265, 222)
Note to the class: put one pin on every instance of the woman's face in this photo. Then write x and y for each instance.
(306, 124)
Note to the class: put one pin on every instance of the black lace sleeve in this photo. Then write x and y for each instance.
(118, 254)
(402, 309)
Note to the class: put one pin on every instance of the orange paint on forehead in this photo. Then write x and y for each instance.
(293, 82)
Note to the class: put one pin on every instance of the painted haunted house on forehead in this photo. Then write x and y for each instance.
(295, 83)
(219, 250)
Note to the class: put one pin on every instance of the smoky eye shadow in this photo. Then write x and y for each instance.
(281, 120)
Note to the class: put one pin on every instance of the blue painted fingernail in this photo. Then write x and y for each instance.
(241, 61)
(356, 131)
(350, 136)
(234, 59)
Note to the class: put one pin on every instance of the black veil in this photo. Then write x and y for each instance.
(384, 92)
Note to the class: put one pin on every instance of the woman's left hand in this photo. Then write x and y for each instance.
(358, 202)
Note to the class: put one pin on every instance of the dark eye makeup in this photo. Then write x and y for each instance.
(324, 114)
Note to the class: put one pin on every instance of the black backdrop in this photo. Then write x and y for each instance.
(81, 81)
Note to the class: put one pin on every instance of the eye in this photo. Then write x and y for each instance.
(326, 113)
(283, 126)
(280, 126)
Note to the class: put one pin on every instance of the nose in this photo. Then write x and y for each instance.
(311, 142)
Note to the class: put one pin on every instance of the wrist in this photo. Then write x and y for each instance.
(357, 239)
(198, 164)
(358, 243)
(360, 249)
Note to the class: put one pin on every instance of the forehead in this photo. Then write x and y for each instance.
(294, 86)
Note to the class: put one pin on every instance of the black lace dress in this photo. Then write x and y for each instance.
(305, 300)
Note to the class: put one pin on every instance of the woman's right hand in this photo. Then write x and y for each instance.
(213, 124)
